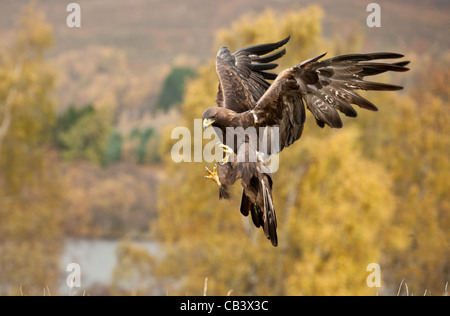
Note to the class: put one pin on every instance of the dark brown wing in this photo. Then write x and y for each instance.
(326, 87)
(243, 76)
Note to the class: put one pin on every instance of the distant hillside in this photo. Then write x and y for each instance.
(125, 49)
(157, 31)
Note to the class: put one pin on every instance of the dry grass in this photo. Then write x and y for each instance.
(403, 290)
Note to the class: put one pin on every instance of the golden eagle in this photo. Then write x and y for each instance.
(247, 100)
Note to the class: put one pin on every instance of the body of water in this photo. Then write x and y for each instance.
(91, 262)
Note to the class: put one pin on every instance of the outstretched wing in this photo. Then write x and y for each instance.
(326, 86)
(243, 75)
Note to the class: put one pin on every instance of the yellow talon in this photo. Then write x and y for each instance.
(228, 151)
(213, 175)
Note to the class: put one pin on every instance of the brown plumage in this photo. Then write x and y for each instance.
(248, 101)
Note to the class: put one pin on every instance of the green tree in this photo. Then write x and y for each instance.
(146, 149)
(152, 144)
(86, 137)
(113, 151)
(30, 185)
(173, 88)
(67, 120)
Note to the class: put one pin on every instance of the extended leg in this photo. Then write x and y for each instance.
(213, 175)
(228, 151)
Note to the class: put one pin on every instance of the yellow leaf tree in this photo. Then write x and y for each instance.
(332, 202)
(30, 224)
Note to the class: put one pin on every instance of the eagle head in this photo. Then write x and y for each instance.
(218, 117)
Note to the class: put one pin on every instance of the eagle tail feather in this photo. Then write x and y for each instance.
(270, 220)
(224, 192)
(245, 204)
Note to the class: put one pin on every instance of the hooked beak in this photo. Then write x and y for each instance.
(207, 123)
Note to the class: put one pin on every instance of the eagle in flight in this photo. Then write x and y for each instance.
(247, 101)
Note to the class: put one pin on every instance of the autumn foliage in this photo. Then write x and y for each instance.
(375, 191)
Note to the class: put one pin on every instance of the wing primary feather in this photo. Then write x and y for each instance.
(262, 66)
(384, 55)
(348, 57)
(402, 63)
(269, 58)
(345, 108)
(378, 86)
(353, 97)
(263, 49)
(311, 60)
(363, 57)
(268, 75)
(370, 69)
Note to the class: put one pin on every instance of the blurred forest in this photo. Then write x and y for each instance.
(85, 153)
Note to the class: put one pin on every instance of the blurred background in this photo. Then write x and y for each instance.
(86, 175)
